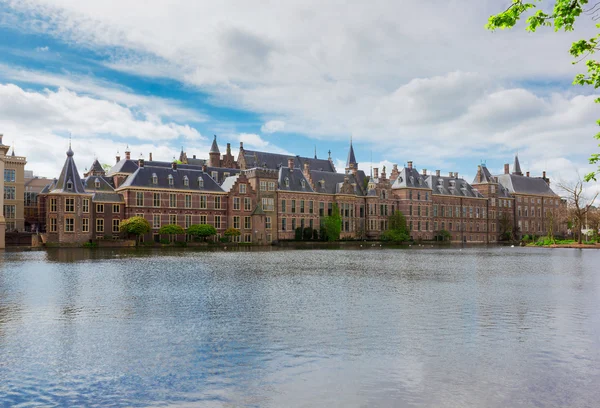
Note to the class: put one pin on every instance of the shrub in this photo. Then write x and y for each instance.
(201, 231)
(298, 234)
(307, 233)
(165, 241)
(171, 229)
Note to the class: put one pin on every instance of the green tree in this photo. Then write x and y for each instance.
(135, 226)
(307, 234)
(397, 229)
(201, 231)
(332, 224)
(171, 229)
(562, 17)
(505, 227)
(232, 232)
(444, 235)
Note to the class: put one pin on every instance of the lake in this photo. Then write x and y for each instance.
(360, 327)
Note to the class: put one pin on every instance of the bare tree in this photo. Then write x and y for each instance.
(579, 204)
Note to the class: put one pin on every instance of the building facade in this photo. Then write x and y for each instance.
(14, 192)
(268, 197)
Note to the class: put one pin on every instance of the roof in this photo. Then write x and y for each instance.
(143, 177)
(484, 173)
(330, 183)
(123, 166)
(96, 167)
(452, 186)
(229, 182)
(275, 161)
(293, 180)
(104, 184)
(214, 148)
(108, 198)
(410, 178)
(517, 167)
(36, 184)
(69, 180)
(525, 185)
(351, 157)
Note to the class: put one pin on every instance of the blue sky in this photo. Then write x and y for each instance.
(420, 81)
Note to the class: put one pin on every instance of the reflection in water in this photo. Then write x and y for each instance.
(268, 327)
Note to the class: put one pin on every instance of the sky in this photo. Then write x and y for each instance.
(418, 80)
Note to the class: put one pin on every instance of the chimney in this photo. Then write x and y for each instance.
(527, 174)
(383, 175)
(410, 164)
(437, 173)
(450, 174)
(375, 172)
(204, 168)
(506, 168)
(544, 174)
(150, 156)
(291, 163)
(141, 162)
(127, 155)
(229, 149)
(424, 172)
(118, 158)
(174, 165)
(456, 174)
(193, 156)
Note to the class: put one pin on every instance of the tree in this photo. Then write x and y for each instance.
(506, 227)
(579, 204)
(171, 229)
(332, 224)
(563, 17)
(106, 166)
(307, 233)
(397, 229)
(232, 232)
(201, 231)
(135, 226)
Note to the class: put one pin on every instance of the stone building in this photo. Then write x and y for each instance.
(35, 220)
(14, 192)
(268, 196)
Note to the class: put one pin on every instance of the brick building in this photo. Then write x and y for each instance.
(14, 192)
(267, 196)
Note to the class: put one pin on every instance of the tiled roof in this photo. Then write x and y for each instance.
(451, 186)
(69, 180)
(96, 167)
(143, 177)
(214, 148)
(329, 183)
(525, 185)
(107, 198)
(123, 166)
(275, 161)
(410, 178)
(293, 180)
(517, 167)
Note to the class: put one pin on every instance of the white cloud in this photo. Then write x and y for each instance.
(42, 49)
(273, 126)
(255, 142)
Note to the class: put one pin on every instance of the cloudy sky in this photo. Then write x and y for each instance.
(418, 80)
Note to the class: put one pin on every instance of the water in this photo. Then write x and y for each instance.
(491, 327)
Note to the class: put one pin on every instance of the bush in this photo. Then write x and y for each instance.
(298, 234)
(231, 232)
(180, 243)
(90, 245)
(135, 226)
(307, 233)
(397, 229)
(201, 231)
(171, 229)
(332, 225)
(165, 241)
(315, 233)
(224, 239)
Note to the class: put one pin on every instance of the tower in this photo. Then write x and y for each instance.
(214, 155)
(351, 163)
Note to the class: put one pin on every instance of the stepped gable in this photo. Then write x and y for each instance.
(69, 180)
(453, 186)
(144, 177)
(525, 185)
(229, 182)
(330, 183)
(274, 161)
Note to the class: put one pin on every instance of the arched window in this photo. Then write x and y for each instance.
(186, 181)
(154, 178)
(200, 182)
(170, 179)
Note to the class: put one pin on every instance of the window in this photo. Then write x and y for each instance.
(435, 210)
(203, 202)
(283, 209)
(268, 204)
(86, 205)
(154, 178)
(247, 237)
(173, 219)
(263, 186)
(172, 200)
(203, 219)
(69, 185)
(170, 177)
(69, 224)
(293, 206)
(242, 189)
(236, 203)
(268, 223)
(53, 224)
(301, 206)
(156, 199)
(217, 221)
(156, 221)
(9, 175)
(116, 208)
(200, 182)
(100, 225)
(70, 205)
(247, 204)
(97, 183)
(311, 205)
(215, 176)
(52, 205)
(236, 222)
(186, 181)
(283, 224)
(9, 193)
(287, 182)
(188, 220)
(303, 183)
(247, 222)
(293, 224)
(321, 209)
(217, 203)
(188, 201)
(271, 186)
(115, 225)
(85, 225)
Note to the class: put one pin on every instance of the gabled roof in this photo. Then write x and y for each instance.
(525, 185)
(69, 180)
(104, 184)
(330, 183)
(123, 166)
(96, 167)
(484, 173)
(275, 161)
(293, 180)
(410, 178)
(452, 186)
(143, 177)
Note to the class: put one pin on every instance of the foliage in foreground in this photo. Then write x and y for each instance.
(397, 230)
(135, 226)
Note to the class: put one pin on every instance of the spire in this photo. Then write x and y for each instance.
(214, 148)
(315, 151)
(517, 166)
(69, 180)
(70, 151)
(351, 162)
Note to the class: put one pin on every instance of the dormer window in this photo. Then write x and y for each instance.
(200, 182)
(170, 179)
(154, 178)
(186, 181)
(215, 176)
(97, 183)
(303, 183)
(412, 180)
(287, 182)
(69, 185)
